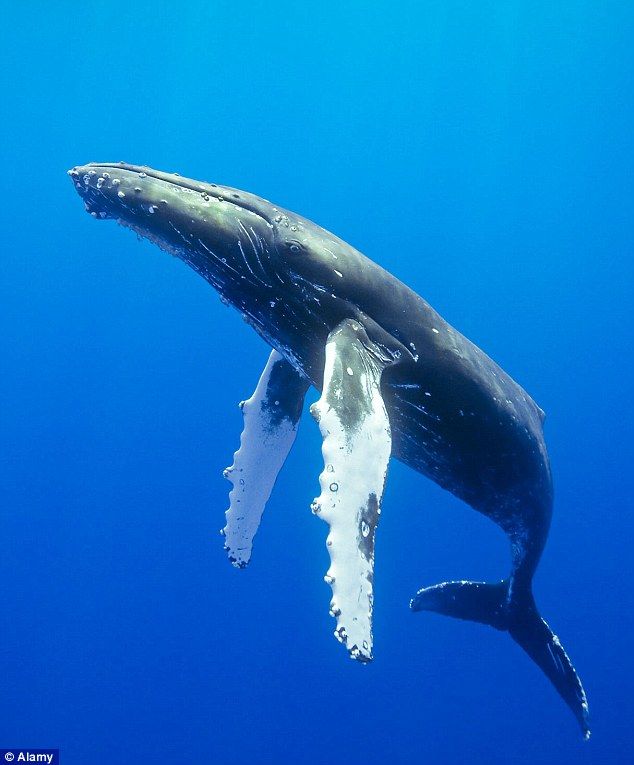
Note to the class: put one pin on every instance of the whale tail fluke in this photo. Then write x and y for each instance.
(505, 609)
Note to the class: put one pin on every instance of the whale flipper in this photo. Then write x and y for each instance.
(270, 426)
(356, 449)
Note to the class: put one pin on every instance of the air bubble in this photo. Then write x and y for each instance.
(315, 508)
(330, 468)
(334, 486)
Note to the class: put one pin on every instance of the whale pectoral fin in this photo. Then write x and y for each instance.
(271, 416)
(356, 449)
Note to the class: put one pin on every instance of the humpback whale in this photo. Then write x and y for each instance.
(395, 380)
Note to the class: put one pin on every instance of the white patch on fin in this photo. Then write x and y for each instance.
(271, 416)
(356, 450)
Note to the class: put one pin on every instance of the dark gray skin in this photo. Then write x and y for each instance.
(455, 415)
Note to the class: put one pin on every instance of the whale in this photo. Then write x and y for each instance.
(395, 381)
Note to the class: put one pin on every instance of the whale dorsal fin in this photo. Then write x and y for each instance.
(356, 449)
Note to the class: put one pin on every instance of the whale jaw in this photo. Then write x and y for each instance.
(222, 234)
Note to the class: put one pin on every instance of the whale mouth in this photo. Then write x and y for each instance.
(120, 191)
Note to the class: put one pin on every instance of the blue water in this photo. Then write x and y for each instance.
(483, 153)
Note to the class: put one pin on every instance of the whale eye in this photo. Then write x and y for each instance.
(294, 246)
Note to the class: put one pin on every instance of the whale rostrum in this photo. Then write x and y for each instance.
(395, 380)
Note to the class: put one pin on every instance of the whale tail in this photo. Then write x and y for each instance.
(511, 609)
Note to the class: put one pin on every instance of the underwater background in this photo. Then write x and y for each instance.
(483, 153)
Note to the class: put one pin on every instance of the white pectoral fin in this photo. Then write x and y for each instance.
(271, 417)
(356, 449)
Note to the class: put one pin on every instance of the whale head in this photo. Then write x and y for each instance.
(218, 230)
(283, 273)
(226, 235)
